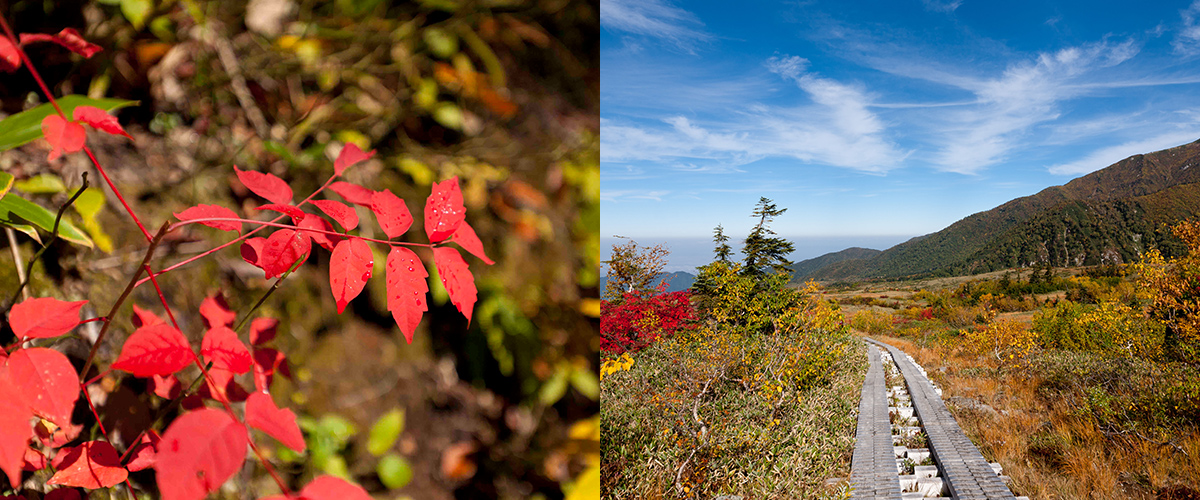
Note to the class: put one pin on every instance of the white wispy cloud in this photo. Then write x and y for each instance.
(941, 6)
(1107, 156)
(1187, 40)
(655, 19)
(615, 195)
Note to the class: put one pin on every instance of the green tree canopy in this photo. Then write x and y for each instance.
(765, 252)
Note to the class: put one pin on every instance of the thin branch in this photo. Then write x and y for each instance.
(17, 259)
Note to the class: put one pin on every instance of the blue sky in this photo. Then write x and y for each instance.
(876, 120)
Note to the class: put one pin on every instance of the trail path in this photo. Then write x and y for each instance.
(877, 469)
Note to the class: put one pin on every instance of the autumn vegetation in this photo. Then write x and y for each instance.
(199, 384)
(1081, 382)
(750, 392)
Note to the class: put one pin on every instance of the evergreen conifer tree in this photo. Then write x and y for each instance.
(765, 252)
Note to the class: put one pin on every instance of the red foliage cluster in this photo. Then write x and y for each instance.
(639, 319)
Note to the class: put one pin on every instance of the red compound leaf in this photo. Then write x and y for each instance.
(314, 221)
(290, 210)
(262, 330)
(98, 119)
(465, 236)
(142, 317)
(265, 185)
(282, 249)
(54, 436)
(10, 60)
(406, 288)
(44, 317)
(333, 488)
(457, 279)
(212, 212)
(63, 136)
(145, 453)
(49, 383)
(344, 215)
(91, 465)
(444, 210)
(222, 346)
(15, 430)
(349, 269)
(352, 193)
(279, 423)
(252, 249)
(198, 453)
(391, 212)
(68, 38)
(350, 155)
(220, 385)
(154, 350)
(215, 311)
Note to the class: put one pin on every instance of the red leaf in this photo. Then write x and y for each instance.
(62, 494)
(68, 38)
(262, 414)
(391, 212)
(457, 279)
(91, 465)
(198, 453)
(10, 60)
(142, 317)
(290, 210)
(406, 288)
(215, 311)
(444, 210)
(145, 453)
(63, 136)
(282, 249)
(353, 193)
(349, 269)
(33, 460)
(44, 317)
(166, 386)
(49, 383)
(209, 212)
(465, 236)
(350, 155)
(221, 386)
(154, 350)
(314, 221)
(15, 430)
(341, 213)
(98, 119)
(262, 330)
(58, 436)
(333, 488)
(252, 249)
(267, 361)
(223, 347)
(265, 185)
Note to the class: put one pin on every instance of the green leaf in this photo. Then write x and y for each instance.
(385, 432)
(136, 11)
(15, 211)
(554, 389)
(449, 116)
(394, 472)
(584, 381)
(26, 126)
(441, 42)
(6, 183)
(89, 203)
(42, 184)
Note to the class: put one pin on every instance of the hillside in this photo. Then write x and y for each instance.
(1108, 215)
(806, 267)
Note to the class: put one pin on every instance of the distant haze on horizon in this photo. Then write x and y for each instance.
(688, 253)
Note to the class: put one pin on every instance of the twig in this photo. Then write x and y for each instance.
(53, 237)
(17, 260)
(237, 83)
(703, 431)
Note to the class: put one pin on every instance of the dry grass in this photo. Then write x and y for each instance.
(1050, 447)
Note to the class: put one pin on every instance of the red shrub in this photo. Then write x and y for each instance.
(639, 319)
